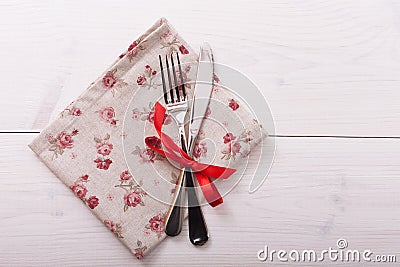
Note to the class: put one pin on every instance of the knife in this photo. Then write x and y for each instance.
(198, 233)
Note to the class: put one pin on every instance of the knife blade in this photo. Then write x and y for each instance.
(202, 93)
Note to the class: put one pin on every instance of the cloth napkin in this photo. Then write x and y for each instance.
(84, 146)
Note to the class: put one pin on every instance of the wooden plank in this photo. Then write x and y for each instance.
(319, 190)
(326, 68)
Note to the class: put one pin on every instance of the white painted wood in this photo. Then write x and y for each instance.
(326, 67)
(319, 190)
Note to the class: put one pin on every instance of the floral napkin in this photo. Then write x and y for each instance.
(84, 146)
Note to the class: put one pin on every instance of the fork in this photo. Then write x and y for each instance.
(177, 107)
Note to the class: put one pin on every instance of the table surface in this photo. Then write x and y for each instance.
(330, 71)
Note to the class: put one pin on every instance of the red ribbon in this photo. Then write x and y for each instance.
(172, 151)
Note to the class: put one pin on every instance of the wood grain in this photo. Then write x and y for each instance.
(319, 190)
(325, 68)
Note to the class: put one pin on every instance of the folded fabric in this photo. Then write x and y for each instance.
(85, 146)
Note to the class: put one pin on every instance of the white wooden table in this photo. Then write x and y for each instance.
(335, 96)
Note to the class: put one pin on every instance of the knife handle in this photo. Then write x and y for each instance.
(198, 232)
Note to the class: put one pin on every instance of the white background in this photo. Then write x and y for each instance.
(330, 71)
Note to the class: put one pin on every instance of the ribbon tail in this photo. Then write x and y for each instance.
(209, 190)
(215, 171)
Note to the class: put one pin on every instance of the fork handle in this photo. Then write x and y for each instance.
(174, 220)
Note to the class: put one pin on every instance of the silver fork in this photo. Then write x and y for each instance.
(177, 107)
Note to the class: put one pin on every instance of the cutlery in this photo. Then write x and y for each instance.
(198, 232)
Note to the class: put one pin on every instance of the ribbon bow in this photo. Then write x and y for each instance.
(172, 151)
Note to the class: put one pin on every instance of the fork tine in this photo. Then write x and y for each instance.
(163, 81)
(171, 92)
(174, 75)
(181, 76)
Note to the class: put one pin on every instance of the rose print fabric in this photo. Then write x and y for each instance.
(84, 145)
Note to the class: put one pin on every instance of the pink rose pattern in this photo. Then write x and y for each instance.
(125, 176)
(109, 80)
(92, 202)
(115, 228)
(112, 82)
(156, 224)
(102, 164)
(139, 251)
(104, 149)
(71, 110)
(146, 155)
(233, 104)
(132, 199)
(107, 114)
(216, 78)
(80, 190)
(233, 145)
(147, 114)
(200, 149)
(146, 79)
(63, 140)
(154, 141)
(208, 113)
(169, 41)
(134, 49)
(134, 194)
(183, 50)
(141, 80)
